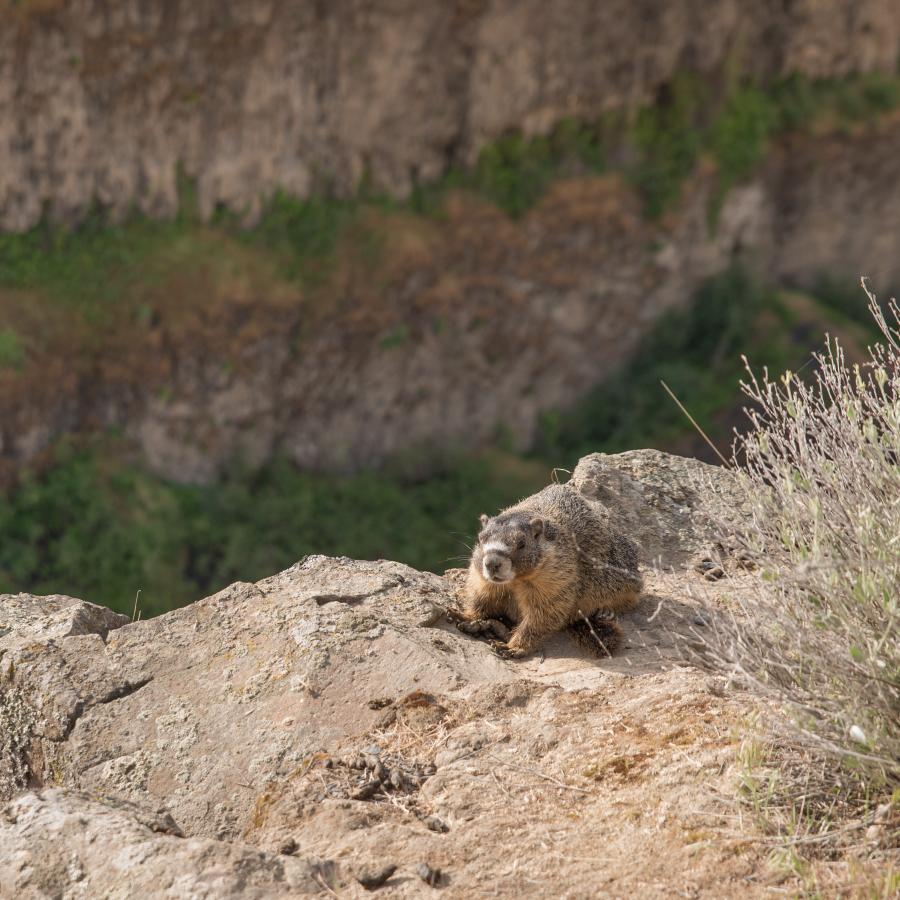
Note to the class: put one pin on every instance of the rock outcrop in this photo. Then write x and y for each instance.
(60, 638)
(669, 507)
(327, 724)
(107, 101)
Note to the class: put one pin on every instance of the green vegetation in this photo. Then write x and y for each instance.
(89, 268)
(671, 134)
(97, 528)
(668, 142)
(514, 172)
(665, 139)
(302, 234)
(738, 137)
(396, 338)
(844, 298)
(12, 353)
(800, 102)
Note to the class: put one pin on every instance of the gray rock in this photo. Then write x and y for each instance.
(52, 669)
(433, 823)
(662, 502)
(195, 710)
(430, 875)
(373, 878)
(367, 791)
(62, 843)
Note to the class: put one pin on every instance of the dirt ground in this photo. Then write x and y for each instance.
(570, 777)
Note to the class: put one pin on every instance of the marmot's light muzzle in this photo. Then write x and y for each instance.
(497, 567)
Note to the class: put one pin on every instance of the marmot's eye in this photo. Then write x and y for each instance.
(521, 544)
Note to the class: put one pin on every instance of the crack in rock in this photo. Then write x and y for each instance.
(117, 693)
(356, 599)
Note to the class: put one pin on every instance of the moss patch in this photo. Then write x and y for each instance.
(12, 353)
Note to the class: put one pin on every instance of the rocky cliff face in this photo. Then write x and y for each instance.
(296, 735)
(471, 325)
(104, 101)
(467, 325)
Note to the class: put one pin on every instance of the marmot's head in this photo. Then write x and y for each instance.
(509, 546)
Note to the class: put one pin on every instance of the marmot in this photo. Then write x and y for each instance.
(548, 563)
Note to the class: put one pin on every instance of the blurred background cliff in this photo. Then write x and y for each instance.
(289, 277)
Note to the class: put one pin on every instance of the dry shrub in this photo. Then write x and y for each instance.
(820, 469)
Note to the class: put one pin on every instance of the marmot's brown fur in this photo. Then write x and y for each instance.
(551, 562)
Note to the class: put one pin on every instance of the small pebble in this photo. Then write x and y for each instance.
(430, 876)
(367, 791)
(379, 702)
(372, 879)
(700, 619)
(387, 718)
(397, 779)
(433, 823)
(288, 848)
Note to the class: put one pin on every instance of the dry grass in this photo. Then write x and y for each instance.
(23, 9)
(818, 630)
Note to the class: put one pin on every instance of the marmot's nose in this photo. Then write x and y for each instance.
(493, 565)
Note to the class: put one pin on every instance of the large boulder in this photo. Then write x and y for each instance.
(328, 723)
(240, 688)
(671, 506)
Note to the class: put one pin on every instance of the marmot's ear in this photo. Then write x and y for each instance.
(537, 527)
(484, 519)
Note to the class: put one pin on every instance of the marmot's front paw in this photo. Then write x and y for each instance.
(473, 626)
(504, 651)
(492, 627)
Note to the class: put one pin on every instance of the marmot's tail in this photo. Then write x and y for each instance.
(599, 634)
